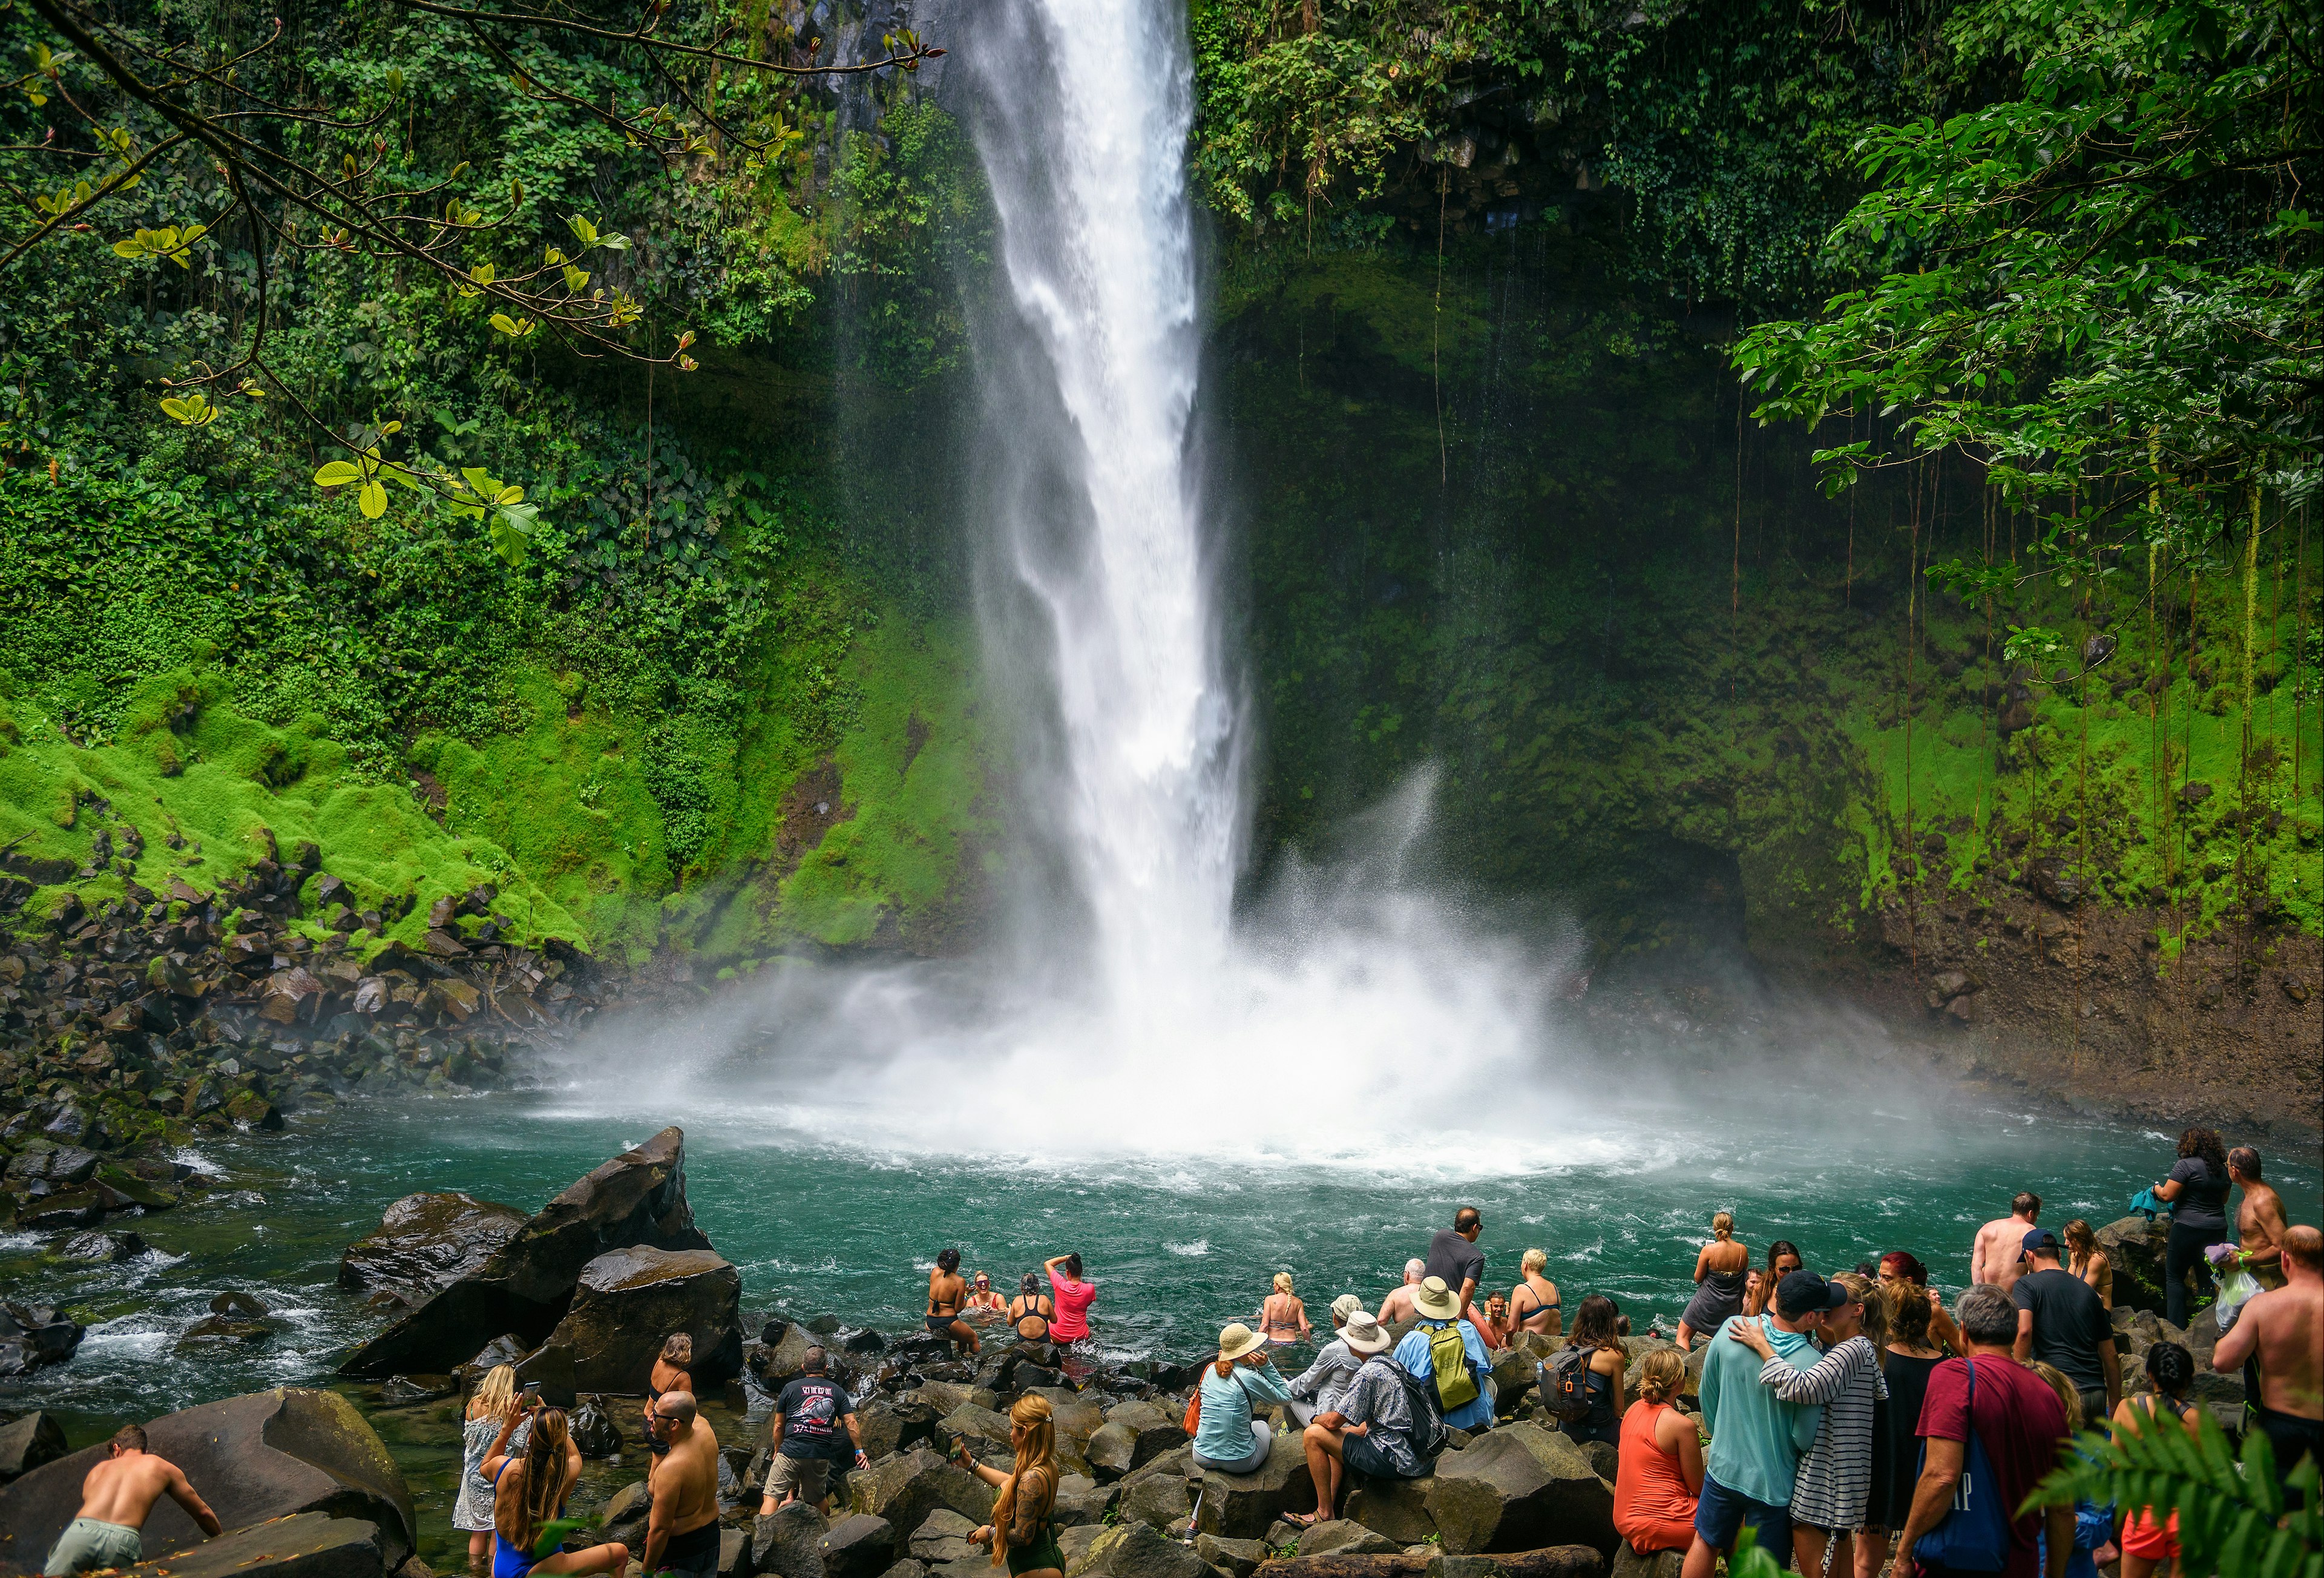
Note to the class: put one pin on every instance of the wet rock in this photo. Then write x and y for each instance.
(265, 1456)
(312, 1545)
(35, 1334)
(591, 1427)
(2057, 879)
(637, 1198)
(399, 1392)
(627, 1303)
(224, 1329)
(788, 1544)
(858, 1546)
(424, 1242)
(235, 1301)
(27, 1442)
(112, 1247)
(1517, 1488)
(906, 1488)
(77, 1207)
(2135, 1247)
(625, 1515)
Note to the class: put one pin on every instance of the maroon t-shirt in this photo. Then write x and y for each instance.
(2021, 1422)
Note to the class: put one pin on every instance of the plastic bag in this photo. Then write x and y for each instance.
(2237, 1285)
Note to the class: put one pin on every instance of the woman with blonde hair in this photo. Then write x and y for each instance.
(1534, 1302)
(1720, 1267)
(1659, 1476)
(472, 1513)
(529, 1492)
(1020, 1533)
(2085, 1261)
(1282, 1317)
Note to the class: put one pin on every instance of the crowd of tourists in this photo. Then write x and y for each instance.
(1845, 1418)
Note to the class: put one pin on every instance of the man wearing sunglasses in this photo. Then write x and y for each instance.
(682, 1529)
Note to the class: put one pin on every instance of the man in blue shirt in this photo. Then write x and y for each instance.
(1439, 1306)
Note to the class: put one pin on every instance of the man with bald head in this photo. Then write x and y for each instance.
(2285, 1327)
(682, 1529)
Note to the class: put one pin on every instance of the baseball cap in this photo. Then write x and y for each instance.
(2040, 1242)
(1803, 1292)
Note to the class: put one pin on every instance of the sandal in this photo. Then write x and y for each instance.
(1309, 1521)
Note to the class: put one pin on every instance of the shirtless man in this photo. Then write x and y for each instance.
(682, 1529)
(116, 1499)
(1993, 1258)
(947, 1293)
(1398, 1306)
(2259, 1220)
(2285, 1327)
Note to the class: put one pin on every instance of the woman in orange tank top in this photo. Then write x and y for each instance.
(1661, 1473)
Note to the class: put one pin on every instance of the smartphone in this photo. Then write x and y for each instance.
(529, 1393)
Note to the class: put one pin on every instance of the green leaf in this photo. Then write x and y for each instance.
(373, 500)
(337, 474)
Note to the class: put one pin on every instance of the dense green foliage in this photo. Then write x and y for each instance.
(2231, 1513)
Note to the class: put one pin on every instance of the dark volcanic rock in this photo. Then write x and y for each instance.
(27, 1442)
(630, 1302)
(426, 1242)
(525, 1286)
(313, 1545)
(265, 1456)
(33, 1335)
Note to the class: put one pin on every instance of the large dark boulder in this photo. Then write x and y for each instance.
(33, 1335)
(527, 1283)
(626, 1304)
(2134, 1247)
(1518, 1488)
(312, 1545)
(906, 1488)
(27, 1442)
(857, 1546)
(425, 1242)
(264, 1455)
(1246, 1505)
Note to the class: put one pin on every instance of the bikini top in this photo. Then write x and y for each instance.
(1275, 1323)
(932, 1302)
(1538, 1307)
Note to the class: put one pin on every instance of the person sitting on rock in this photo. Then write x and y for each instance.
(1318, 1389)
(1031, 1310)
(669, 1373)
(947, 1293)
(1534, 1302)
(682, 1529)
(1437, 1307)
(116, 1497)
(1227, 1437)
(529, 1492)
(1282, 1315)
(1022, 1534)
(984, 1303)
(1368, 1432)
(1658, 1480)
(1398, 1306)
(807, 1422)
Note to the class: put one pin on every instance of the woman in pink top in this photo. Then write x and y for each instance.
(1071, 1322)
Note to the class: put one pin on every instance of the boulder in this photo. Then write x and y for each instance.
(1394, 1509)
(986, 1430)
(1152, 1432)
(788, 1543)
(894, 1424)
(1518, 1488)
(2134, 1247)
(624, 1515)
(114, 1247)
(525, 1286)
(907, 1568)
(628, 1303)
(424, 1242)
(1080, 1500)
(1344, 1536)
(1157, 1498)
(858, 1546)
(1515, 1374)
(27, 1442)
(311, 1545)
(35, 1334)
(263, 1456)
(1243, 1506)
(943, 1537)
(906, 1488)
(1629, 1563)
(1139, 1550)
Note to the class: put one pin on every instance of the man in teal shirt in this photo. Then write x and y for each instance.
(1757, 1437)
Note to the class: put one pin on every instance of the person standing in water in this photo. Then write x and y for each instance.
(1070, 1323)
(472, 1510)
(669, 1372)
(1031, 1310)
(1282, 1317)
(2000, 1244)
(116, 1497)
(984, 1303)
(1534, 1302)
(1720, 1267)
(947, 1293)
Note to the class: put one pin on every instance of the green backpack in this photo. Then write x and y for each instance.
(1449, 1357)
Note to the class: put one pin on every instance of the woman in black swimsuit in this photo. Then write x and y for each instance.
(1031, 1310)
(947, 1291)
(669, 1373)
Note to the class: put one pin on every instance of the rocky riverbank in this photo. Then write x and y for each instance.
(580, 1294)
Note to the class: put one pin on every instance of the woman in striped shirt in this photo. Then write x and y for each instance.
(1834, 1485)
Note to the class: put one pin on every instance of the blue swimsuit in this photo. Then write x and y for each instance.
(510, 1561)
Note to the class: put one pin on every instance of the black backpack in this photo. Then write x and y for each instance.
(1429, 1434)
(1565, 1384)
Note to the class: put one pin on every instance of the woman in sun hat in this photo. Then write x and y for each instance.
(1226, 1437)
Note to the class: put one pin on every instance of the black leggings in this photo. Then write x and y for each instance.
(2183, 1254)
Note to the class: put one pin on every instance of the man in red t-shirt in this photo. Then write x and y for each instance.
(1073, 1297)
(2021, 1424)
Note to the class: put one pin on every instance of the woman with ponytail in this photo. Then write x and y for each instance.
(2147, 1545)
(1020, 1533)
(529, 1491)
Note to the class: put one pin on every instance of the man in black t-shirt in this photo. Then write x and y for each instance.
(1454, 1255)
(2061, 1322)
(809, 1419)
